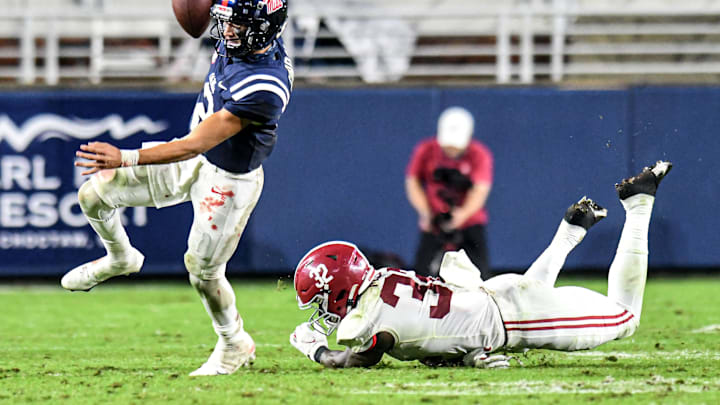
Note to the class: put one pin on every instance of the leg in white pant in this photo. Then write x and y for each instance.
(628, 271)
(548, 265)
(578, 219)
(536, 315)
(222, 207)
(99, 199)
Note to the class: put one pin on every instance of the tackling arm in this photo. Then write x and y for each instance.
(347, 358)
(208, 134)
(313, 344)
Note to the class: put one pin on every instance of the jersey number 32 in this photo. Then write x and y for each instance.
(420, 287)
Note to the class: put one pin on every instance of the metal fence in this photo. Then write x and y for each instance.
(533, 41)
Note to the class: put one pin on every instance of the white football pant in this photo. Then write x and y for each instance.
(536, 314)
(222, 204)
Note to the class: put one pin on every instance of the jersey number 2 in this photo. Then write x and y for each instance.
(200, 112)
(420, 285)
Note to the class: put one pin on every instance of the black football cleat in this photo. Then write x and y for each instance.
(646, 182)
(585, 213)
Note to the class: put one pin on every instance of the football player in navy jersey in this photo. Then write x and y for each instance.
(217, 166)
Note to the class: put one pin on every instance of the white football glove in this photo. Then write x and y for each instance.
(307, 340)
(480, 359)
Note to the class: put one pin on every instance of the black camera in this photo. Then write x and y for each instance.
(456, 184)
(453, 179)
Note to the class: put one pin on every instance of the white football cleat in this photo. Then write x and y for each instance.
(88, 275)
(227, 358)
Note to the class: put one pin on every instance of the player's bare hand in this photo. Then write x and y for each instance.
(100, 156)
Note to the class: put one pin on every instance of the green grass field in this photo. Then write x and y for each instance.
(136, 342)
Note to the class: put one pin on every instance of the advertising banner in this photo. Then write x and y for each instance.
(42, 229)
(338, 172)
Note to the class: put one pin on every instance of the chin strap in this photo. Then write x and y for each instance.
(352, 297)
(358, 289)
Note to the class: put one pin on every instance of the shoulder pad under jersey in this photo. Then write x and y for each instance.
(357, 329)
(258, 93)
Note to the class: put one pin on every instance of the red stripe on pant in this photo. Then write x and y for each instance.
(578, 318)
(575, 326)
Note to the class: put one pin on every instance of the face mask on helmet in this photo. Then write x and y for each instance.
(321, 320)
(330, 279)
(247, 26)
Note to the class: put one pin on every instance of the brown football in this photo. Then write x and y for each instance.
(193, 15)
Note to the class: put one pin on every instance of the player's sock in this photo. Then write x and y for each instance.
(106, 222)
(547, 266)
(113, 236)
(218, 298)
(628, 271)
(235, 348)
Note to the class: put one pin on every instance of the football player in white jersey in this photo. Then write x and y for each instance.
(217, 166)
(461, 319)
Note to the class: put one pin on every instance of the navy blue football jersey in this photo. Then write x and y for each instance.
(256, 87)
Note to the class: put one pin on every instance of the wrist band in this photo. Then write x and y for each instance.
(320, 350)
(129, 157)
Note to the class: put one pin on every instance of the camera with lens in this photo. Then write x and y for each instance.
(455, 185)
(452, 179)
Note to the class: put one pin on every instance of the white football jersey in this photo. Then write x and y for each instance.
(427, 318)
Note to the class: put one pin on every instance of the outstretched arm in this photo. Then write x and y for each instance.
(313, 344)
(209, 133)
(347, 358)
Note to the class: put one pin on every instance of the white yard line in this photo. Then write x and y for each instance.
(674, 354)
(708, 329)
(445, 388)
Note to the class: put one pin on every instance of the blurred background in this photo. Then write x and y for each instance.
(570, 96)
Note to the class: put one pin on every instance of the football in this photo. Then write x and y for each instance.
(192, 15)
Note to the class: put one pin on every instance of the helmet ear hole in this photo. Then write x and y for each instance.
(341, 295)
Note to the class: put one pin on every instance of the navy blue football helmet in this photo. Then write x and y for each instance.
(256, 24)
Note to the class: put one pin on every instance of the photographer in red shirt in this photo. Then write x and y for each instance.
(448, 181)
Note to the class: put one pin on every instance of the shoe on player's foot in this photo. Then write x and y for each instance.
(646, 182)
(227, 357)
(585, 213)
(88, 275)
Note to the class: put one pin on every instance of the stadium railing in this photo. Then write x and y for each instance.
(532, 41)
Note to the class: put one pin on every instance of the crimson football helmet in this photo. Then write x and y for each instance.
(256, 23)
(330, 277)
